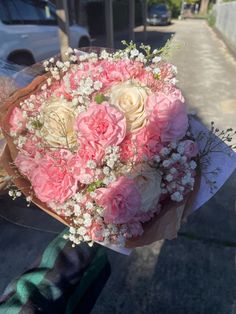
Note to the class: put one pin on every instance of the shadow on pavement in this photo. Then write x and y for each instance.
(154, 37)
(25, 232)
(191, 277)
(194, 273)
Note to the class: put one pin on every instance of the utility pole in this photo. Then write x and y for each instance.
(131, 19)
(63, 23)
(109, 23)
(145, 8)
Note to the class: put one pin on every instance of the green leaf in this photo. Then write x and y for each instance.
(94, 185)
(37, 124)
(99, 98)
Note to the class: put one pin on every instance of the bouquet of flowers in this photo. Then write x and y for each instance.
(103, 143)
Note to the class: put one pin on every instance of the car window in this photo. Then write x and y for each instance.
(27, 12)
(159, 7)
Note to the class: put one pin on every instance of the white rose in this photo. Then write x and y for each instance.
(129, 97)
(58, 123)
(148, 182)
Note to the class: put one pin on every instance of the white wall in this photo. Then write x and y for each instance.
(225, 14)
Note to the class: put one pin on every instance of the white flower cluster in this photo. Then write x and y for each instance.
(107, 233)
(84, 214)
(105, 55)
(20, 141)
(14, 193)
(54, 70)
(156, 59)
(177, 171)
(112, 156)
(111, 160)
(28, 105)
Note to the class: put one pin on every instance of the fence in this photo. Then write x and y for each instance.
(225, 22)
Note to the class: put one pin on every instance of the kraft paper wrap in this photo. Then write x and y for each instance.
(164, 225)
(3, 172)
(7, 87)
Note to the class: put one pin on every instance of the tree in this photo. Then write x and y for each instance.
(204, 6)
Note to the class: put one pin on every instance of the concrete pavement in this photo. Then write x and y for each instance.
(24, 234)
(196, 273)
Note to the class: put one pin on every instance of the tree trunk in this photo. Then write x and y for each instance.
(109, 23)
(145, 9)
(131, 19)
(204, 6)
(63, 23)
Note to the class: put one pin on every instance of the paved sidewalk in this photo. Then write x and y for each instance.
(196, 273)
(207, 72)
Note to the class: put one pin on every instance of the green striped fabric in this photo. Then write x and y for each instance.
(59, 282)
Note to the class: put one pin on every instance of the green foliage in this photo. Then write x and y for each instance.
(37, 124)
(191, 1)
(149, 54)
(175, 6)
(99, 98)
(211, 19)
(95, 185)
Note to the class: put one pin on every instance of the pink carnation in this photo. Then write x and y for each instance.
(143, 144)
(170, 89)
(119, 71)
(17, 121)
(74, 77)
(25, 163)
(166, 71)
(128, 149)
(31, 146)
(111, 72)
(121, 201)
(148, 142)
(50, 176)
(168, 115)
(130, 69)
(190, 148)
(102, 124)
(88, 151)
(96, 232)
(124, 70)
(147, 78)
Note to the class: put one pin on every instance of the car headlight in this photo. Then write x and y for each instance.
(164, 16)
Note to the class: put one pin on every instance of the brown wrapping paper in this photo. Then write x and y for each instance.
(3, 172)
(7, 87)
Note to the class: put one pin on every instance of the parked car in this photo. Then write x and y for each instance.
(159, 14)
(29, 31)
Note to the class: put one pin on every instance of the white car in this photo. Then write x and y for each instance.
(29, 31)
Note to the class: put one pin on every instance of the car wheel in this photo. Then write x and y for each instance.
(84, 42)
(21, 58)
